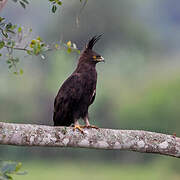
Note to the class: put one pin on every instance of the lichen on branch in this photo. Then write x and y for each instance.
(132, 140)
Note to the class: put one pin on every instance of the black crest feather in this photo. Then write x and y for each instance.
(93, 41)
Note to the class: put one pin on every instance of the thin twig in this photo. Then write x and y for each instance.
(16, 48)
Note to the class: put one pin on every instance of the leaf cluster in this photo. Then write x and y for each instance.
(6, 28)
(71, 47)
(13, 38)
(9, 168)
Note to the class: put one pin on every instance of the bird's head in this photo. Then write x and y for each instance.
(89, 55)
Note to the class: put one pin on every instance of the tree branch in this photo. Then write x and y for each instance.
(133, 140)
(17, 48)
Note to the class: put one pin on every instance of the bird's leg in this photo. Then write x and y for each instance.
(86, 120)
(77, 126)
(87, 124)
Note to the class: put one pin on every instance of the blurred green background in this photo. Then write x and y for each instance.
(138, 86)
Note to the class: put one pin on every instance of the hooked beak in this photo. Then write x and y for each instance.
(100, 59)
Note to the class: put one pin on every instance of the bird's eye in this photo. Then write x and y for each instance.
(94, 57)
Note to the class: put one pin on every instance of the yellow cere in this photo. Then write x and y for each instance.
(94, 57)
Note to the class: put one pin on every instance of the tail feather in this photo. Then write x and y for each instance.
(62, 120)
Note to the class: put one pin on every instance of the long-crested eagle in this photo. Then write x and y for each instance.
(78, 91)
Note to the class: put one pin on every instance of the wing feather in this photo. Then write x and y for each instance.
(68, 96)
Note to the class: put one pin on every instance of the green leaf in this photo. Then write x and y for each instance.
(39, 38)
(9, 43)
(56, 46)
(15, 72)
(19, 166)
(13, 43)
(59, 3)
(69, 50)
(7, 177)
(2, 24)
(2, 43)
(54, 8)
(22, 4)
(14, 27)
(2, 19)
(19, 29)
(16, 60)
(7, 168)
(36, 48)
(9, 25)
(78, 51)
(25, 1)
(42, 45)
(0, 54)
(4, 34)
(29, 52)
(8, 61)
(10, 66)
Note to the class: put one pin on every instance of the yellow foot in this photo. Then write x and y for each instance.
(90, 126)
(79, 128)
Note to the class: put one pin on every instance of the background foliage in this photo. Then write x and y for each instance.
(138, 86)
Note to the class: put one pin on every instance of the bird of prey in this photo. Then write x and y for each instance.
(78, 91)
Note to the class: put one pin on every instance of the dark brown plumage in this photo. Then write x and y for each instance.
(78, 92)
